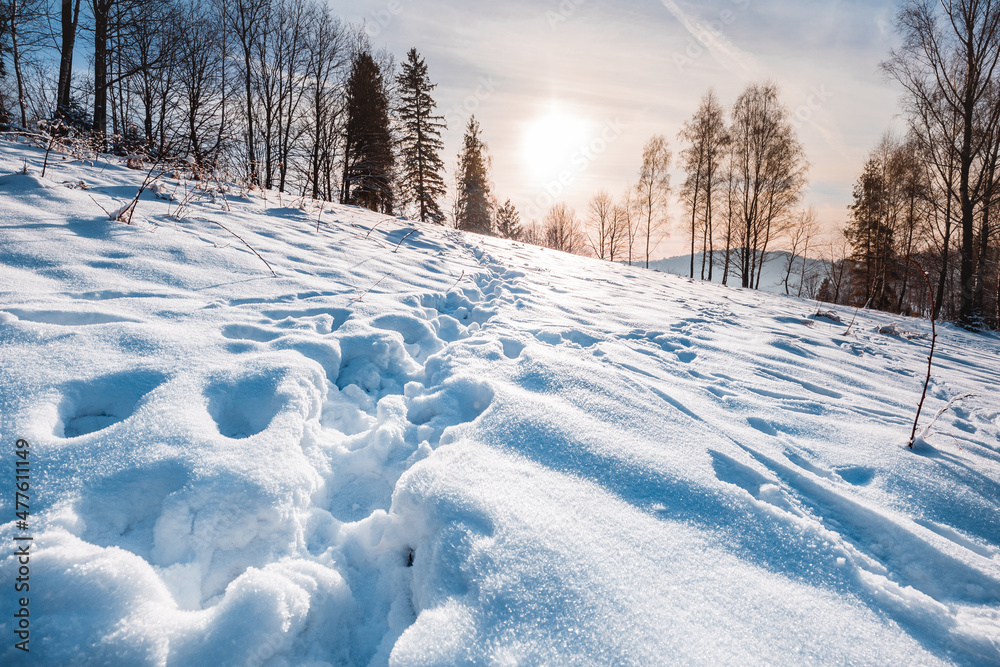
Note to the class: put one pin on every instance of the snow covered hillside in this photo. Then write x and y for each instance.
(427, 448)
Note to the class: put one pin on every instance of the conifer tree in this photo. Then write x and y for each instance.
(421, 183)
(474, 204)
(368, 157)
(508, 223)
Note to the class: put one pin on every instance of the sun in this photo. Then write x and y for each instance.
(551, 140)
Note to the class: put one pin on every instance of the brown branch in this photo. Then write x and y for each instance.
(412, 232)
(930, 357)
(215, 222)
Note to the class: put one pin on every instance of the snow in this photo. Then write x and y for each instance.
(443, 449)
(772, 279)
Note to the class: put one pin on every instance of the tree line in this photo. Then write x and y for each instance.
(277, 94)
(929, 201)
(745, 172)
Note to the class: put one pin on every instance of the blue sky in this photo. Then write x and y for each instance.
(573, 88)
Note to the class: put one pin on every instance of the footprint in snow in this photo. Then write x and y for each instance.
(512, 349)
(94, 405)
(243, 406)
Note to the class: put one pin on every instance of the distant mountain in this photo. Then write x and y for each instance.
(773, 279)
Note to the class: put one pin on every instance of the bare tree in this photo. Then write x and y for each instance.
(562, 229)
(604, 222)
(948, 64)
(326, 45)
(533, 233)
(628, 213)
(245, 20)
(199, 82)
(653, 192)
(25, 29)
(70, 21)
(768, 175)
(702, 159)
(801, 234)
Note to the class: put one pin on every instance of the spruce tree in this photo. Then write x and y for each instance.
(508, 224)
(474, 204)
(421, 183)
(368, 157)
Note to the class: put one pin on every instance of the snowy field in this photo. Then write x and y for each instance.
(432, 448)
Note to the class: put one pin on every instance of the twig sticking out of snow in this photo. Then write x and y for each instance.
(930, 357)
(361, 296)
(216, 222)
(106, 211)
(411, 233)
(456, 282)
(927, 429)
(375, 226)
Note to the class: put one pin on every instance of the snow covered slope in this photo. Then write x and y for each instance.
(431, 448)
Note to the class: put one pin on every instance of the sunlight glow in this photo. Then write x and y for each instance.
(551, 140)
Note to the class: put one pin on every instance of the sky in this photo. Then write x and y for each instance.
(567, 92)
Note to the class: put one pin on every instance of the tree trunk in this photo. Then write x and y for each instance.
(16, 53)
(101, 8)
(70, 20)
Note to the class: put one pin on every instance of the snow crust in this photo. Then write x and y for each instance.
(432, 448)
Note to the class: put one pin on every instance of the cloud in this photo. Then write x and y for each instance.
(711, 36)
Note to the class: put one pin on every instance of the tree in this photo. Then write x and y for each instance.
(421, 183)
(368, 157)
(244, 20)
(604, 219)
(562, 229)
(767, 175)
(101, 10)
(888, 215)
(199, 83)
(628, 214)
(653, 191)
(948, 64)
(23, 22)
(4, 27)
(327, 55)
(70, 21)
(702, 160)
(474, 203)
(801, 235)
(154, 57)
(508, 223)
(533, 233)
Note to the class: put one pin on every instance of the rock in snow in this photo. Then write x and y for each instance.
(463, 451)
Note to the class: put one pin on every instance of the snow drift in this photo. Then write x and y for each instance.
(429, 448)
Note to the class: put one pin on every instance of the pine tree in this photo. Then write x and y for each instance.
(368, 157)
(421, 183)
(508, 223)
(474, 204)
